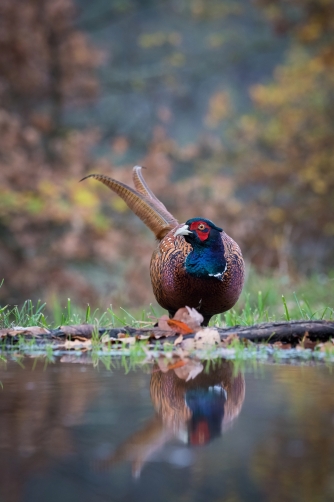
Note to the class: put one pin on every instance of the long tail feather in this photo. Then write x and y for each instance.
(142, 187)
(148, 211)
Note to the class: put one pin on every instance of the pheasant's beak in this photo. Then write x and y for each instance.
(183, 231)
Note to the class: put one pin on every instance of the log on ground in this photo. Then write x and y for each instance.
(287, 332)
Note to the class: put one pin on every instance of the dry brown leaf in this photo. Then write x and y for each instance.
(160, 334)
(207, 337)
(178, 340)
(36, 330)
(189, 316)
(142, 337)
(189, 370)
(32, 331)
(177, 364)
(163, 324)
(163, 364)
(185, 321)
(181, 314)
(107, 338)
(179, 327)
(172, 361)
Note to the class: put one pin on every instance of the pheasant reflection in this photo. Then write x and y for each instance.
(195, 411)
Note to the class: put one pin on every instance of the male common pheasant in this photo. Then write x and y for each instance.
(195, 264)
(195, 411)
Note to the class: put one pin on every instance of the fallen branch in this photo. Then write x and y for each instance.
(286, 332)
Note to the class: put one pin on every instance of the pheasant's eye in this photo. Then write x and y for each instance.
(201, 226)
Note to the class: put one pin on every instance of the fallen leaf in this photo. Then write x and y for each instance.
(189, 370)
(164, 364)
(181, 314)
(185, 321)
(177, 364)
(189, 316)
(161, 333)
(179, 327)
(178, 340)
(18, 330)
(163, 324)
(143, 337)
(37, 330)
(107, 338)
(207, 337)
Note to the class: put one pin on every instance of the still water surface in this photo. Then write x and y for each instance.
(72, 432)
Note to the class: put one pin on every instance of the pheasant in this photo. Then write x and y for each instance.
(195, 411)
(208, 404)
(195, 264)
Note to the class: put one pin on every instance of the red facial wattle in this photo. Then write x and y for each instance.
(201, 228)
(201, 434)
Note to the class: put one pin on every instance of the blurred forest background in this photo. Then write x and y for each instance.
(228, 103)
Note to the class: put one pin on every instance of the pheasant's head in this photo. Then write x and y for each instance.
(207, 258)
(200, 231)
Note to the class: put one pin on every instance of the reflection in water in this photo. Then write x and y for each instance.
(195, 411)
(67, 432)
(307, 448)
(37, 409)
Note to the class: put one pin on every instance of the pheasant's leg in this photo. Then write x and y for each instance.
(206, 320)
